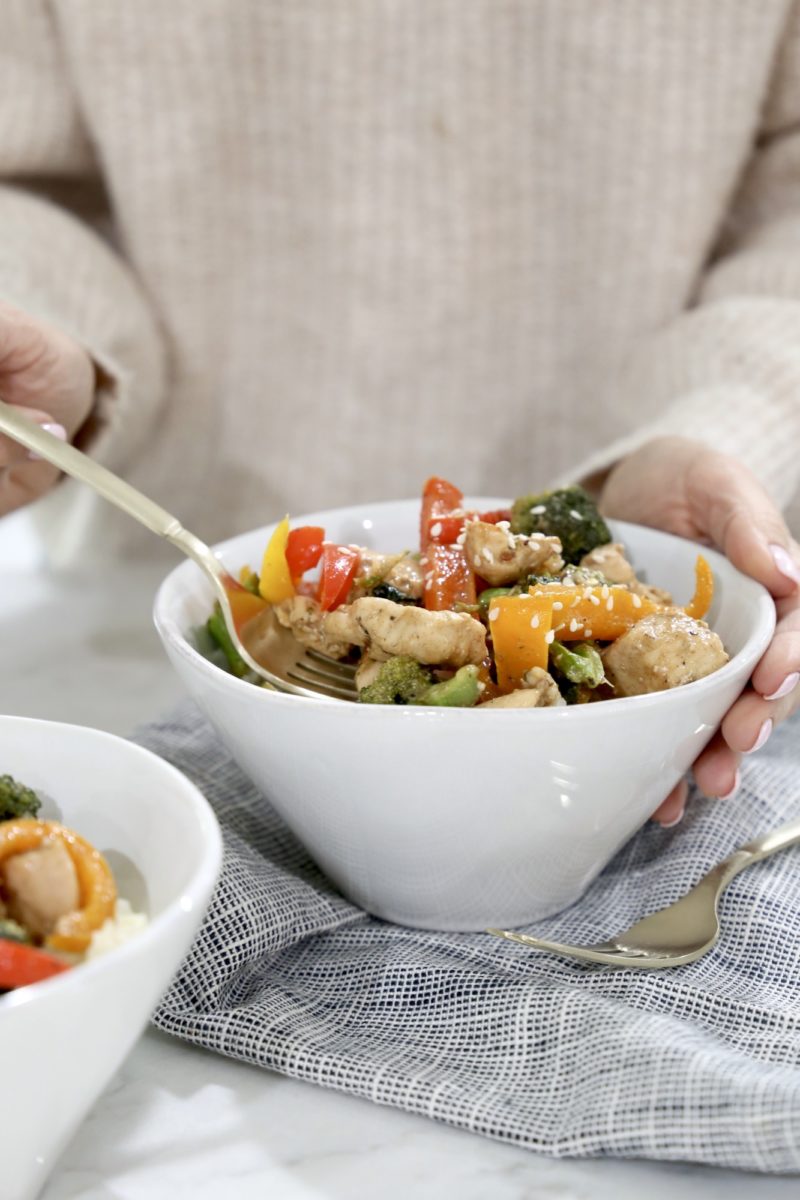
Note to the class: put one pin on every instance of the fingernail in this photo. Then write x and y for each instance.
(788, 685)
(57, 431)
(763, 735)
(675, 820)
(785, 563)
(737, 779)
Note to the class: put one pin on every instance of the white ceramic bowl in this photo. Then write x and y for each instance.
(461, 819)
(62, 1040)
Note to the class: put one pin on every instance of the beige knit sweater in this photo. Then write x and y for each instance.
(325, 248)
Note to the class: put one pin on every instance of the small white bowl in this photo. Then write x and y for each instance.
(462, 818)
(62, 1040)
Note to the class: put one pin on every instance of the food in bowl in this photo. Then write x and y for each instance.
(532, 606)
(58, 896)
(450, 818)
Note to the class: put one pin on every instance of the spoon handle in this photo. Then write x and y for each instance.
(73, 462)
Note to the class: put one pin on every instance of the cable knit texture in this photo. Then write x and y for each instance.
(325, 248)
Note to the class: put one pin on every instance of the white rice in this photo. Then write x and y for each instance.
(124, 925)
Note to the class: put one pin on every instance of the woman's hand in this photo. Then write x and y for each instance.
(52, 381)
(689, 489)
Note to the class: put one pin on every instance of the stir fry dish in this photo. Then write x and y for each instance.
(527, 607)
(58, 899)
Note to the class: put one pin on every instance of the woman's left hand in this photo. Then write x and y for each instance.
(688, 489)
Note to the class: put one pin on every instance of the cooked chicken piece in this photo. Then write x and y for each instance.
(304, 617)
(662, 651)
(40, 886)
(501, 557)
(367, 671)
(407, 576)
(401, 571)
(387, 629)
(651, 592)
(612, 564)
(539, 690)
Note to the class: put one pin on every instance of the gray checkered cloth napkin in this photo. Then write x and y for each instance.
(698, 1063)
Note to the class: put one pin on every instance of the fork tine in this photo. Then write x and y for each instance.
(312, 671)
(323, 686)
(342, 668)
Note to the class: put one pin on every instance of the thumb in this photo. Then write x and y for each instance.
(739, 516)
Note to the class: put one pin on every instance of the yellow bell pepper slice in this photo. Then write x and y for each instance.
(520, 627)
(275, 582)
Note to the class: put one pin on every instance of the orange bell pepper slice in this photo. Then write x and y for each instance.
(521, 629)
(244, 604)
(602, 612)
(97, 889)
(700, 603)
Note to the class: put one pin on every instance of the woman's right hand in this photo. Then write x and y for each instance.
(51, 379)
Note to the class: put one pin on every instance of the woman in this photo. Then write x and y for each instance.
(263, 256)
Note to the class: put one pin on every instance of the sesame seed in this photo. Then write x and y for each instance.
(557, 605)
(494, 613)
(436, 529)
(604, 592)
(503, 524)
(550, 637)
(610, 603)
(481, 686)
(423, 562)
(587, 593)
(576, 516)
(535, 621)
(595, 600)
(462, 537)
(538, 509)
(537, 537)
(574, 626)
(637, 600)
(587, 633)
(577, 600)
(560, 627)
(487, 555)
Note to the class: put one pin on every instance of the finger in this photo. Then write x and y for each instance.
(749, 724)
(23, 482)
(778, 673)
(728, 500)
(716, 770)
(670, 811)
(11, 451)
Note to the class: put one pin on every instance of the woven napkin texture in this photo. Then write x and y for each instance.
(699, 1063)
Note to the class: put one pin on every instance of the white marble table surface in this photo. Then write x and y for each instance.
(179, 1122)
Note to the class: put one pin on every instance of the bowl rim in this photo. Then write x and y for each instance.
(195, 892)
(754, 646)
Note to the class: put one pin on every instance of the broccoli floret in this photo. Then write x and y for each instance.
(566, 513)
(462, 690)
(16, 800)
(400, 680)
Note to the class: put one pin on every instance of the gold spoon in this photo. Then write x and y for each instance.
(680, 933)
(325, 676)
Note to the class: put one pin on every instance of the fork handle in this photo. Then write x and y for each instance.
(73, 462)
(756, 849)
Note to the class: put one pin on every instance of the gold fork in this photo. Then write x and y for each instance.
(298, 672)
(683, 931)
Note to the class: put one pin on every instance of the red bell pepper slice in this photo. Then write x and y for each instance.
(439, 498)
(339, 565)
(21, 965)
(448, 578)
(304, 549)
(445, 528)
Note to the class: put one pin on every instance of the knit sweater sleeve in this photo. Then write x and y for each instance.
(727, 370)
(54, 264)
